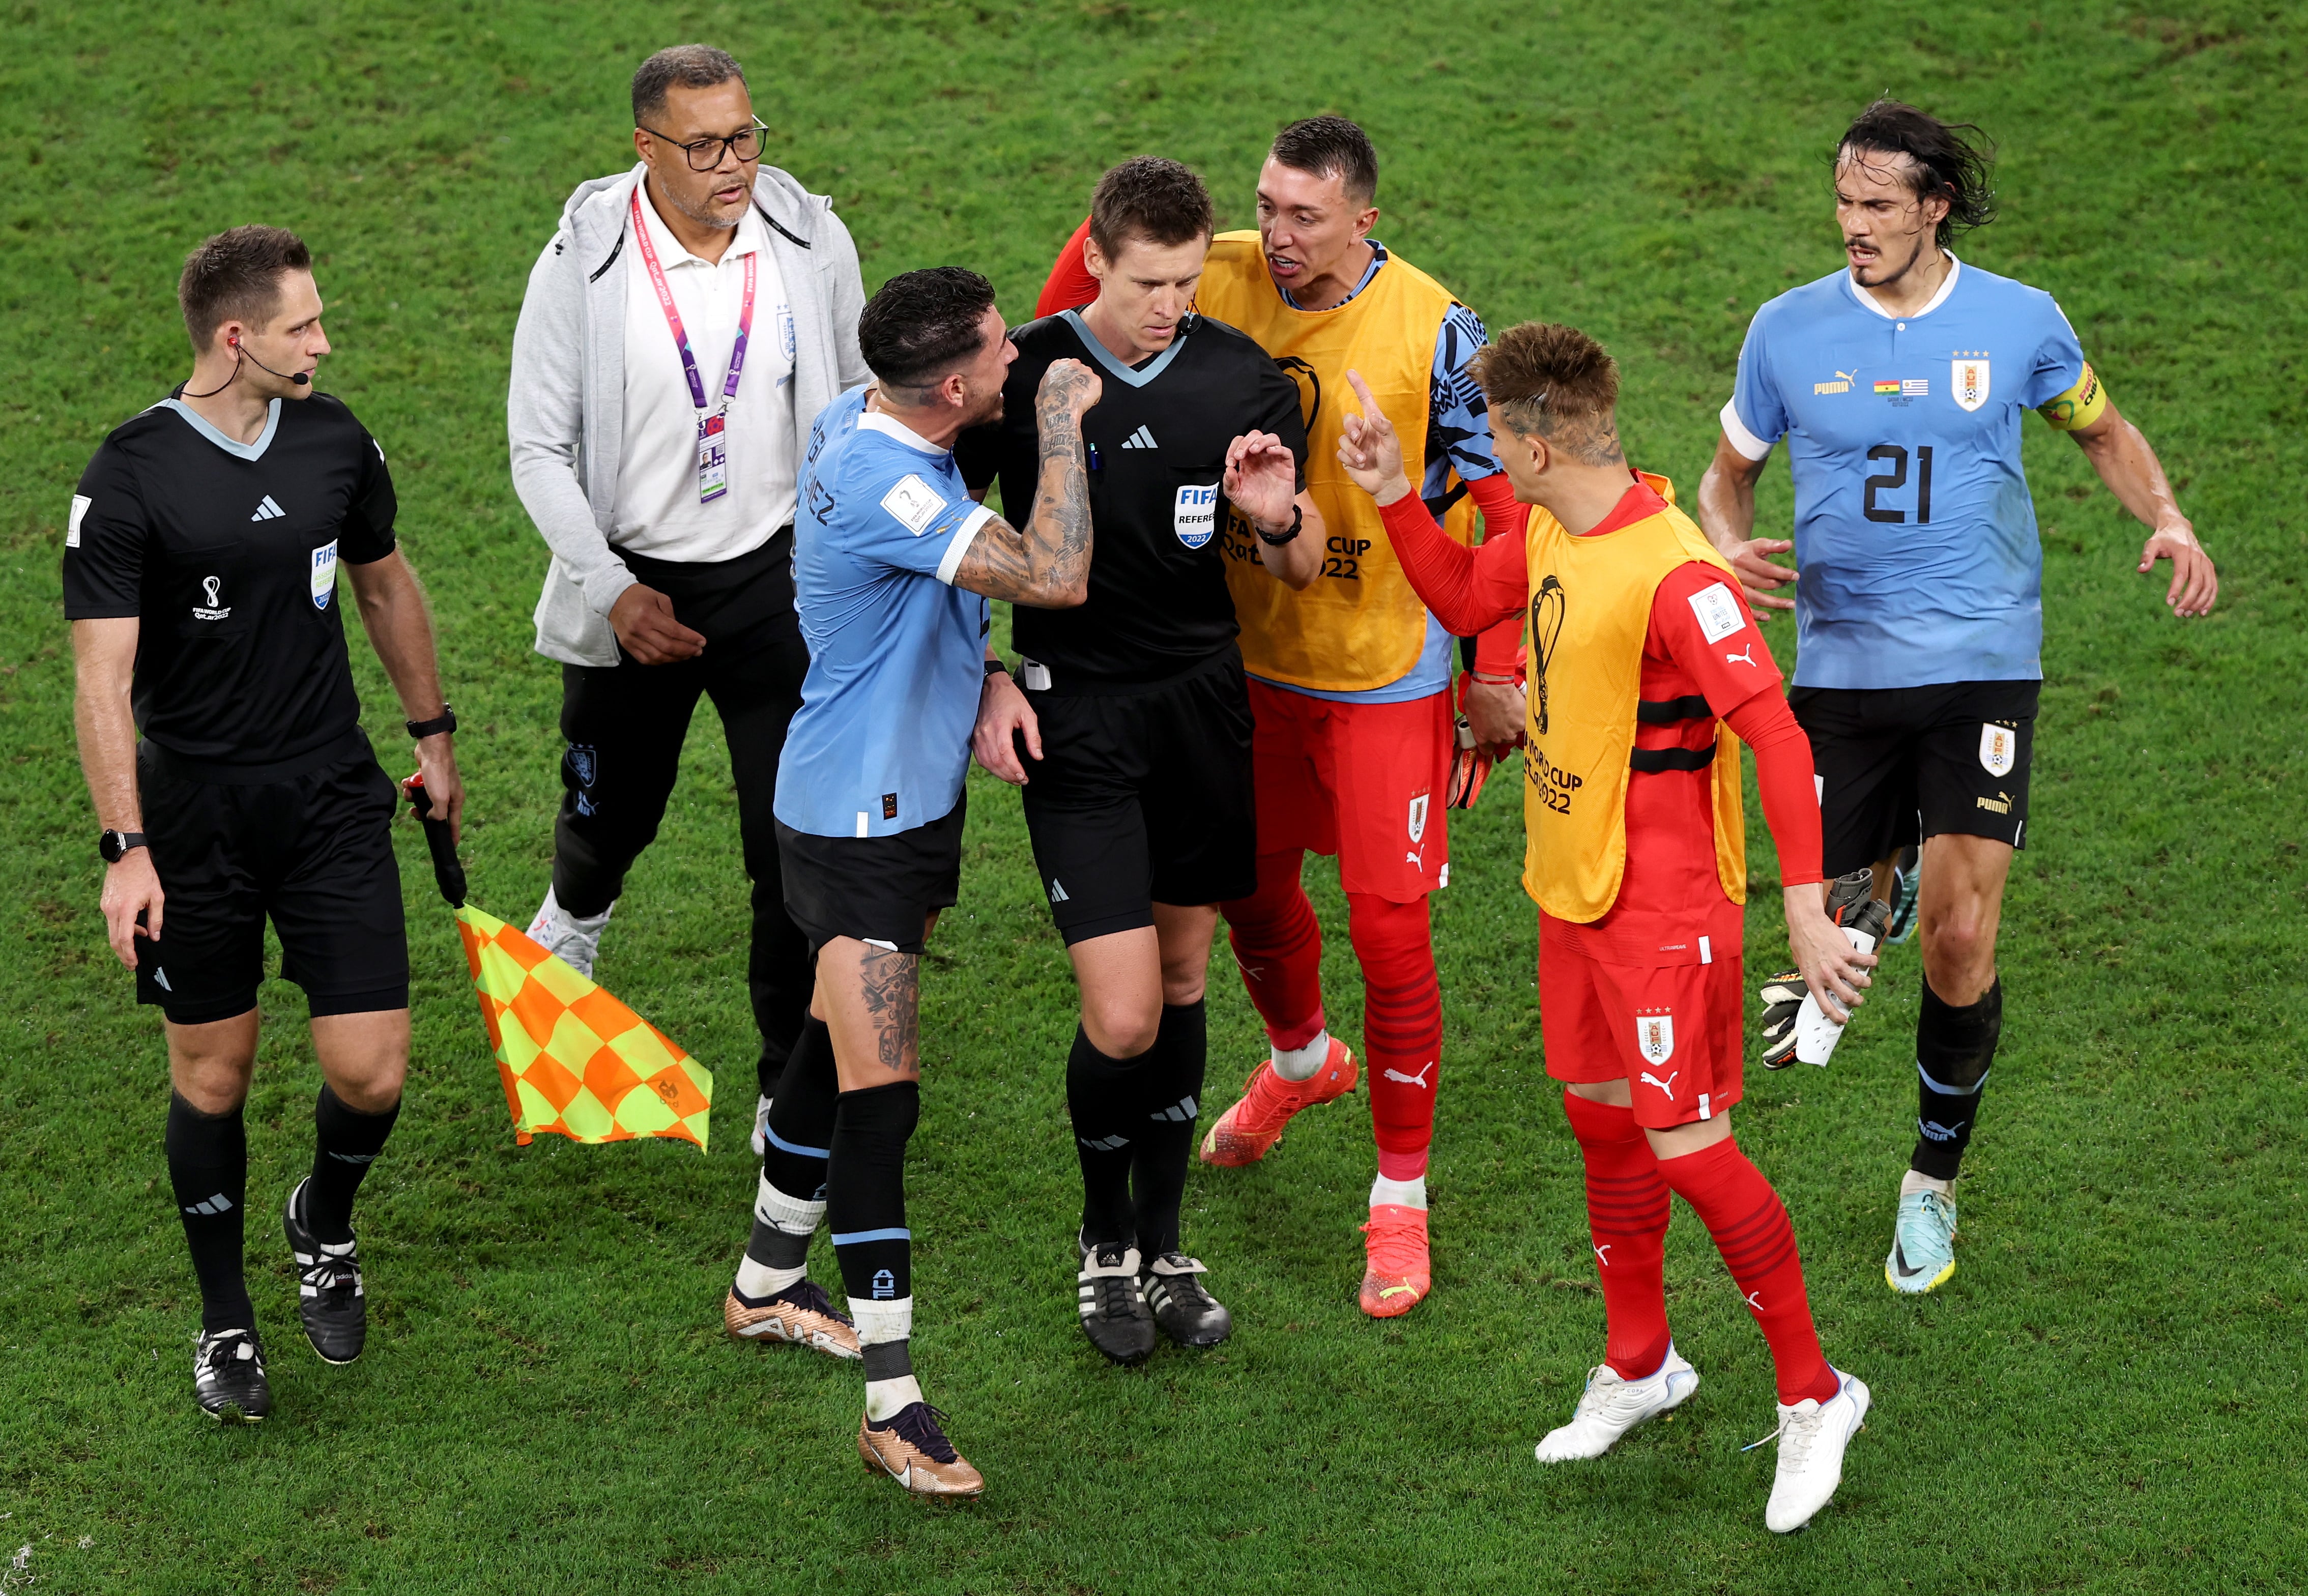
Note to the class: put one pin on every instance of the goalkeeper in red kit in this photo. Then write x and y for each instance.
(1646, 674)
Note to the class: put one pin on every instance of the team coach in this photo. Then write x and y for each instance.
(687, 323)
(200, 577)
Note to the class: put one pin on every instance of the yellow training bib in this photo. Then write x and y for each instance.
(1360, 626)
(1591, 609)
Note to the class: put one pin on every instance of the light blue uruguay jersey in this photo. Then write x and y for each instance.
(881, 740)
(1914, 534)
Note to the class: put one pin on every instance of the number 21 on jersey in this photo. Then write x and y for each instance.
(1895, 479)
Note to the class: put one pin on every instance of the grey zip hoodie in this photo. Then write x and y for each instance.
(564, 412)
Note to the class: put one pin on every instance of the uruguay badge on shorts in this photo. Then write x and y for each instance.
(1967, 380)
(325, 574)
(1194, 515)
(1999, 746)
(1655, 1037)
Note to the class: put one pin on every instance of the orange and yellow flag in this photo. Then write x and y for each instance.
(574, 1060)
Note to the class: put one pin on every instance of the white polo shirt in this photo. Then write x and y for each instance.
(657, 511)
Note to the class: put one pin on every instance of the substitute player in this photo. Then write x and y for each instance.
(1899, 383)
(200, 577)
(1136, 717)
(1645, 674)
(893, 564)
(1351, 679)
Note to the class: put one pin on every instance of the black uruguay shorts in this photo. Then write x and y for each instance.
(312, 852)
(879, 889)
(1143, 798)
(1901, 764)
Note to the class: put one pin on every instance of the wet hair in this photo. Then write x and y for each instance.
(923, 324)
(1545, 380)
(1953, 159)
(1330, 147)
(1160, 201)
(691, 66)
(236, 277)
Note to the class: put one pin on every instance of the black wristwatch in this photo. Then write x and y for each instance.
(113, 846)
(1275, 540)
(446, 721)
(994, 667)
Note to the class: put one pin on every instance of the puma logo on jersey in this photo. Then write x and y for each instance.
(1419, 1080)
(1745, 658)
(1141, 439)
(268, 511)
(1666, 1085)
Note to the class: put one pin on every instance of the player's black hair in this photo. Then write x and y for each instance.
(1954, 159)
(693, 66)
(923, 324)
(236, 277)
(1147, 197)
(1330, 147)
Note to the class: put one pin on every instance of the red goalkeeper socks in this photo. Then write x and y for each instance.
(1626, 1213)
(1749, 1227)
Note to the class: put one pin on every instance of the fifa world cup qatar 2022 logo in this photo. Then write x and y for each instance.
(1546, 628)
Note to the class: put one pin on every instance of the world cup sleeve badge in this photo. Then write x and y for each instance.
(325, 574)
(1999, 748)
(1969, 380)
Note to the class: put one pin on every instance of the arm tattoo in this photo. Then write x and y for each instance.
(1045, 562)
(893, 1007)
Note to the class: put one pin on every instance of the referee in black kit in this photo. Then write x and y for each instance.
(200, 577)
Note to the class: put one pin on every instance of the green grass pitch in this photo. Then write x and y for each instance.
(2107, 1396)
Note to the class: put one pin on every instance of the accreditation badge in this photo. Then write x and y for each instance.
(712, 456)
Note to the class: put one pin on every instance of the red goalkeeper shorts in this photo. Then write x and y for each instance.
(1674, 1032)
(1365, 782)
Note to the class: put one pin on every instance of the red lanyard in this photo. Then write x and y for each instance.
(673, 316)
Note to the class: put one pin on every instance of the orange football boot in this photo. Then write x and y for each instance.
(1247, 1132)
(910, 1447)
(1396, 1273)
(804, 1315)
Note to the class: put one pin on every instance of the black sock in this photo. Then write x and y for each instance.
(1173, 1089)
(1954, 1048)
(345, 1142)
(866, 1191)
(208, 1168)
(1103, 1101)
(801, 1117)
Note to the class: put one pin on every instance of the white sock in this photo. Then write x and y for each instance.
(1300, 1063)
(885, 1399)
(1402, 1193)
(1916, 1181)
(878, 1322)
(758, 1281)
(589, 923)
(795, 1216)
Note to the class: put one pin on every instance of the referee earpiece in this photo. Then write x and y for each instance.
(302, 379)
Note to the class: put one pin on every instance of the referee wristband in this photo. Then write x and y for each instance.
(446, 721)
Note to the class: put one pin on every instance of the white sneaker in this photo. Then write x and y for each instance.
(760, 1128)
(1813, 1434)
(575, 942)
(1611, 1406)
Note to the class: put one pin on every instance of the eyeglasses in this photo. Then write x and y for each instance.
(705, 154)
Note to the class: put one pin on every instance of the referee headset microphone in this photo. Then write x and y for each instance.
(240, 353)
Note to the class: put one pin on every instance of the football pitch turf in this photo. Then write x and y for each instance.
(2107, 1396)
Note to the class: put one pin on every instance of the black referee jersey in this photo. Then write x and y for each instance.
(1158, 607)
(227, 553)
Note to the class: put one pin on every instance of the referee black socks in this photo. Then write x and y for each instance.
(1170, 1078)
(208, 1168)
(345, 1142)
(1102, 1099)
(1955, 1047)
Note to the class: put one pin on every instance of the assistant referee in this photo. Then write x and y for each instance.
(200, 577)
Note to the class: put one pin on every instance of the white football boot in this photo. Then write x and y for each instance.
(1611, 1406)
(574, 940)
(1813, 1434)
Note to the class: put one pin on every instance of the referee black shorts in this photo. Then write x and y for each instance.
(1143, 798)
(312, 852)
(880, 889)
(1899, 763)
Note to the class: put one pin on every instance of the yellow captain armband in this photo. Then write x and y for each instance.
(2078, 407)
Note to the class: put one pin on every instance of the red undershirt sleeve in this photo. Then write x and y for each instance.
(1469, 591)
(1701, 623)
(1499, 650)
(1070, 286)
